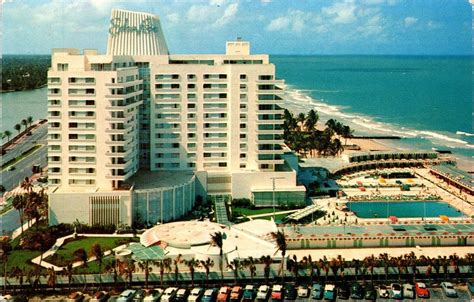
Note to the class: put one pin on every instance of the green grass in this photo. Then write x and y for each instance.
(65, 253)
(246, 211)
(21, 258)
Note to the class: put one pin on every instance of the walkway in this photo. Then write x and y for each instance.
(221, 211)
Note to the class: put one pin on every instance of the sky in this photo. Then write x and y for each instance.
(320, 27)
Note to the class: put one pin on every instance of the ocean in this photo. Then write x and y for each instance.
(426, 100)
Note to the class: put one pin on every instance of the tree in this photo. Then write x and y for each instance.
(52, 278)
(19, 203)
(235, 266)
(280, 239)
(346, 133)
(217, 239)
(192, 265)
(301, 119)
(17, 128)
(176, 262)
(68, 270)
(311, 120)
(29, 120)
(267, 261)
(145, 267)
(81, 255)
(24, 122)
(7, 134)
(207, 264)
(96, 251)
(250, 264)
(164, 265)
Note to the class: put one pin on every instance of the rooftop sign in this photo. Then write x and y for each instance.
(118, 25)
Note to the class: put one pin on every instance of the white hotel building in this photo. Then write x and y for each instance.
(139, 133)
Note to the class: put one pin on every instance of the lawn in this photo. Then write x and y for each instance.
(21, 258)
(65, 253)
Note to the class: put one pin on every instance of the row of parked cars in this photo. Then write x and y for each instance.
(278, 292)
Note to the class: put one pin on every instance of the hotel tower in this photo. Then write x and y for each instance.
(141, 134)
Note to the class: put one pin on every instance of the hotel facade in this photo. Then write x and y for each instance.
(139, 133)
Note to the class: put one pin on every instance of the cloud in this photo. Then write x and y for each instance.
(294, 21)
(433, 24)
(229, 14)
(217, 2)
(341, 12)
(409, 21)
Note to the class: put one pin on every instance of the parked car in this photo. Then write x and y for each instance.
(357, 292)
(370, 293)
(383, 292)
(317, 291)
(408, 291)
(290, 292)
(75, 296)
(421, 290)
(236, 294)
(126, 295)
(263, 292)
(277, 292)
(100, 296)
(169, 294)
(329, 293)
(153, 295)
(182, 295)
(395, 291)
(303, 291)
(139, 295)
(196, 294)
(470, 286)
(249, 293)
(209, 295)
(449, 290)
(223, 294)
(344, 291)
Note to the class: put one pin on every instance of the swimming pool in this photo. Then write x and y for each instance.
(402, 209)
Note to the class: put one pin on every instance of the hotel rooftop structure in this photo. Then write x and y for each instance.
(139, 133)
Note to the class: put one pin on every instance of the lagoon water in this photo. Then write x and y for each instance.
(427, 100)
(16, 106)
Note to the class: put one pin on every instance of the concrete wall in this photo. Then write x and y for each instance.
(244, 182)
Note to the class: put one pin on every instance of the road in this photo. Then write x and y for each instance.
(11, 179)
(38, 135)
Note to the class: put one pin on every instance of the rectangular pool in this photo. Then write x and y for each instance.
(402, 209)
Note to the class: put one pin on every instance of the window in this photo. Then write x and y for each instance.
(243, 86)
(243, 135)
(191, 76)
(243, 116)
(243, 106)
(243, 76)
(191, 106)
(243, 126)
(191, 86)
(243, 166)
(191, 115)
(243, 155)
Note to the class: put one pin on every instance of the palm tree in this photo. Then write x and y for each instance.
(311, 120)
(301, 119)
(7, 134)
(346, 133)
(280, 239)
(207, 264)
(235, 265)
(68, 270)
(29, 120)
(52, 278)
(81, 255)
(24, 122)
(145, 267)
(19, 203)
(336, 147)
(331, 124)
(217, 239)
(192, 265)
(176, 262)
(96, 251)
(17, 128)
(250, 264)
(267, 261)
(164, 265)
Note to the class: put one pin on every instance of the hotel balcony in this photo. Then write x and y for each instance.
(124, 84)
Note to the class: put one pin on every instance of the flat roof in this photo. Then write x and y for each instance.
(454, 174)
(330, 164)
(146, 180)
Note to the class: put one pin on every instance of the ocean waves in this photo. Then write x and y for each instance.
(370, 125)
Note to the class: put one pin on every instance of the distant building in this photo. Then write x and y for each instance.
(203, 124)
